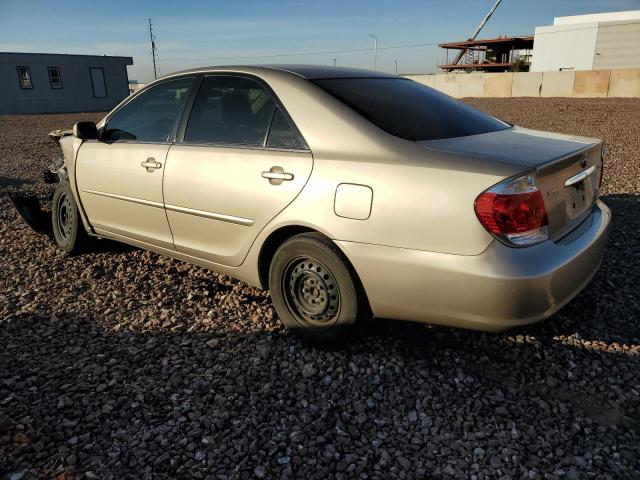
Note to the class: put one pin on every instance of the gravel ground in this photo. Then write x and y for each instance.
(123, 364)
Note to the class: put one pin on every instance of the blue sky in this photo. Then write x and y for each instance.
(197, 33)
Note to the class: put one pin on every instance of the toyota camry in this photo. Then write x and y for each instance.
(346, 193)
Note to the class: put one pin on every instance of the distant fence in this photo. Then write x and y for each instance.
(567, 83)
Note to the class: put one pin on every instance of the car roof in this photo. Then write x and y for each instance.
(317, 72)
(309, 72)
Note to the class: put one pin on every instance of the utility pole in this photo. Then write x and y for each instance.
(396, 66)
(335, 61)
(375, 54)
(153, 49)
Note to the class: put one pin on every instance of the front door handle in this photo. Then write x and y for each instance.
(151, 164)
(277, 175)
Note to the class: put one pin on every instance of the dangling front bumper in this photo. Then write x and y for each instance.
(28, 206)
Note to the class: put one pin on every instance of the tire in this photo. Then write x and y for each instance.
(68, 230)
(315, 291)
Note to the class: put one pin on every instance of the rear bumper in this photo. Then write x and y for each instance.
(499, 289)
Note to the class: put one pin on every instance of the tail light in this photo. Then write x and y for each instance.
(513, 211)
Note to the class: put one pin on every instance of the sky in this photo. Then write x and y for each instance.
(201, 33)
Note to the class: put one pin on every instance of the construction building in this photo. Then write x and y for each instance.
(502, 54)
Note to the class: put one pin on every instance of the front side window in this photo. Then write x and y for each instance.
(410, 110)
(152, 116)
(54, 77)
(230, 111)
(24, 76)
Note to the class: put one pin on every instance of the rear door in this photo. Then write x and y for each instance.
(120, 177)
(240, 162)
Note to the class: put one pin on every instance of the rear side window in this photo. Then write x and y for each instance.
(152, 116)
(408, 109)
(230, 111)
(282, 135)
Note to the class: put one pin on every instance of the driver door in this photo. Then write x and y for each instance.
(120, 176)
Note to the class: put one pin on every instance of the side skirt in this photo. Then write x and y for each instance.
(239, 273)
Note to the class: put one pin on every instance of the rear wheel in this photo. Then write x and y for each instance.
(68, 230)
(314, 291)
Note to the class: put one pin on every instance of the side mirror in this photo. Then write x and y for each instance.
(85, 131)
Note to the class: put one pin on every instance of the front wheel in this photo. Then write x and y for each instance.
(68, 230)
(314, 291)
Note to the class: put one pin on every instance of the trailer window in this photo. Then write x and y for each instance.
(24, 75)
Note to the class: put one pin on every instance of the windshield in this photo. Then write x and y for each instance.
(408, 109)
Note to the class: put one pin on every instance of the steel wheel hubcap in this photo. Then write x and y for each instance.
(311, 290)
(64, 216)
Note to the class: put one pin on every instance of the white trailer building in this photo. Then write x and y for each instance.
(588, 42)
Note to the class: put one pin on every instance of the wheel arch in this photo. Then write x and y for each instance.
(271, 244)
(282, 234)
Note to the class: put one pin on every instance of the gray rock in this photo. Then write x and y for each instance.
(308, 370)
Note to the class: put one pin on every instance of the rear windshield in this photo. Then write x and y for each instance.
(410, 110)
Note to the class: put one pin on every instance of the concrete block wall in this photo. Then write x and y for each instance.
(498, 84)
(472, 85)
(624, 83)
(568, 83)
(557, 84)
(526, 84)
(591, 83)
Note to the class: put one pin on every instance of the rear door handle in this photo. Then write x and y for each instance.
(151, 164)
(277, 175)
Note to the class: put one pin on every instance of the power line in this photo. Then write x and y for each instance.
(300, 54)
(353, 50)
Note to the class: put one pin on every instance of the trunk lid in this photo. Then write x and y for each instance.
(570, 187)
(568, 167)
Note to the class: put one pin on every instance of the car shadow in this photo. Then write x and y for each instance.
(12, 182)
(11, 185)
(105, 245)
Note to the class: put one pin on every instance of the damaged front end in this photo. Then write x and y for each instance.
(28, 205)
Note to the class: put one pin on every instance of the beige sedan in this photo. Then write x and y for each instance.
(346, 193)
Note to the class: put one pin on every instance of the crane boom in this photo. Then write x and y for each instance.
(485, 20)
(480, 27)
